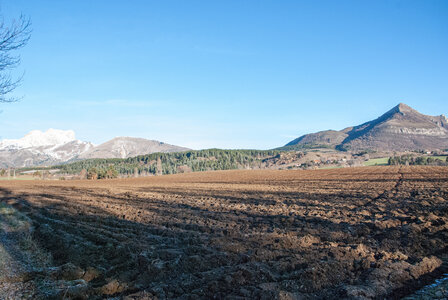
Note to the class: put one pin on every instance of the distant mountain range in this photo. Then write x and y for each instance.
(124, 147)
(54, 146)
(400, 129)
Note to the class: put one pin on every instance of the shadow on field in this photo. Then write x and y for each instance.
(177, 246)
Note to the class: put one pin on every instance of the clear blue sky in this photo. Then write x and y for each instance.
(228, 74)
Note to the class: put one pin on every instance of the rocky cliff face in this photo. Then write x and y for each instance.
(401, 128)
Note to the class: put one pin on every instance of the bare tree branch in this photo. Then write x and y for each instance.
(12, 38)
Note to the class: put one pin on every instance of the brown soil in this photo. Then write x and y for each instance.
(369, 232)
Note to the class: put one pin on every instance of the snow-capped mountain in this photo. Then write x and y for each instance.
(42, 148)
(55, 146)
(37, 138)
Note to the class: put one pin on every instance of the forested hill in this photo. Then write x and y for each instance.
(172, 163)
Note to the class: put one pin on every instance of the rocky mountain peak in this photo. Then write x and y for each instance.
(405, 108)
(37, 138)
(401, 109)
(402, 128)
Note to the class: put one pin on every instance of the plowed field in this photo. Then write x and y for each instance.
(366, 232)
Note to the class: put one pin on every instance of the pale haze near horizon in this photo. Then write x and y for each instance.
(231, 74)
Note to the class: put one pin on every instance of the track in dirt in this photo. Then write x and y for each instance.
(355, 233)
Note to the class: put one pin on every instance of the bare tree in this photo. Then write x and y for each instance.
(12, 38)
